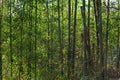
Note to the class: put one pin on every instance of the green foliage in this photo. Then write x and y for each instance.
(36, 52)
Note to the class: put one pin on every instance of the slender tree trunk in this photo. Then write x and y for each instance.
(30, 23)
(27, 49)
(83, 10)
(21, 43)
(35, 29)
(74, 39)
(95, 2)
(0, 49)
(118, 41)
(51, 38)
(118, 50)
(48, 43)
(62, 40)
(107, 33)
(11, 52)
(60, 36)
(88, 47)
(59, 28)
(69, 40)
(101, 40)
(0, 44)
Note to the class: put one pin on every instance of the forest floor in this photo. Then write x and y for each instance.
(115, 79)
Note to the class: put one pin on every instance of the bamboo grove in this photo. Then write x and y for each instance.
(59, 39)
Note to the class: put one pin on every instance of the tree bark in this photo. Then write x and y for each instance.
(88, 46)
(74, 39)
(83, 10)
(107, 33)
(69, 40)
(35, 29)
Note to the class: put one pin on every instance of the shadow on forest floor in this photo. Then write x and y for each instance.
(114, 79)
